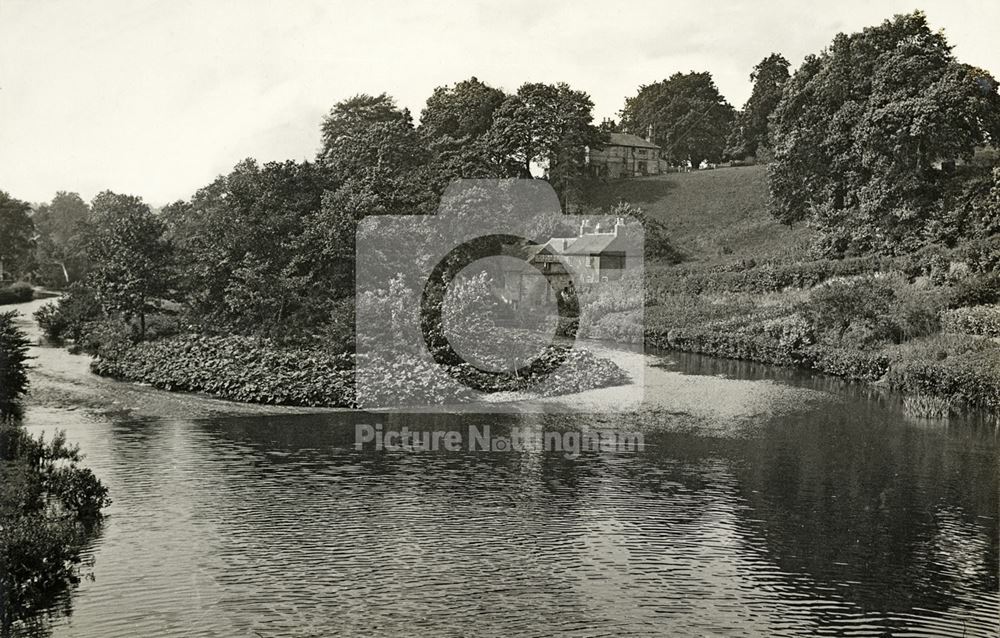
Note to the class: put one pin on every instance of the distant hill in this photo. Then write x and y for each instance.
(712, 215)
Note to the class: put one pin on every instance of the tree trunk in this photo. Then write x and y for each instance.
(65, 272)
(142, 325)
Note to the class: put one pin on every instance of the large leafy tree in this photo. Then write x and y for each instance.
(61, 227)
(369, 132)
(250, 268)
(17, 237)
(861, 127)
(688, 116)
(133, 263)
(464, 110)
(371, 146)
(455, 126)
(550, 125)
(749, 136)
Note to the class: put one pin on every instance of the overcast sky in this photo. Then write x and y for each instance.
(156, 98)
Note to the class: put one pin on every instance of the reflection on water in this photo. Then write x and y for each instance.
(766, 503)
(828, 518)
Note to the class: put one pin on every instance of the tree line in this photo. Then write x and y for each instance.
(854, 139)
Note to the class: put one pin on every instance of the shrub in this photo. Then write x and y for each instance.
(862, 303)
(69, 317)
(160, 325)
(623, 327)
(964, 369)
(977, 290)
(13, 365)
(983, 255)
(916, 311)
(18, 292)
(106, 337)
(976, 320)
(47, 504)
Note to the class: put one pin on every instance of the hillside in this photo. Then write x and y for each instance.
(713, 215)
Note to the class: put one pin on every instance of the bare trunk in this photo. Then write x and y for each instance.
(65, 272)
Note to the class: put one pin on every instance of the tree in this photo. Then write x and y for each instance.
(463, 111)
(455, 127)
(132, 260)
(17, 237)
(547, 124)
(688, 116)
(61, 226)
(750, 133)
(366, 132)
(252, 266)
(860, 128)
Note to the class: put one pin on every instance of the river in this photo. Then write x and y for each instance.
(767, 502)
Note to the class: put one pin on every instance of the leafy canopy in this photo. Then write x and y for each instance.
(689, 117)
(861, 127)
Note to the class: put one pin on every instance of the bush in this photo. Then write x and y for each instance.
(977, 290)
(916, 311)
(18, 292)
(69, 317)
(861, 303)
(159, 325)
(106, 338)
(977, 320)
(47, 505)
(52, 321)
(964, 369)
(13, 365)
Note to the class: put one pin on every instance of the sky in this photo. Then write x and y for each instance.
(156, 98)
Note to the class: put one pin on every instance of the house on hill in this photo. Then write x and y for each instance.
(625, 155)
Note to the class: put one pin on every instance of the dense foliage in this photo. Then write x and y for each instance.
(132, 267)
(62, 249)
(17, 238)
(17, 292)
(13, 365)
(866, 133)
(750, 134)
(243, 369)
(47, 500)
(688, 117)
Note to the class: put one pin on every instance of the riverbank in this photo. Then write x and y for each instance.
(915, 338)
(49, 503)
(925, 324)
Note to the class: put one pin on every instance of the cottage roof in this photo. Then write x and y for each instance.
(597, 244)
(627, 139)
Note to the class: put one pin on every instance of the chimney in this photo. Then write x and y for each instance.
(649, 134)
(597, 228)
(584, 227)
(619, 224)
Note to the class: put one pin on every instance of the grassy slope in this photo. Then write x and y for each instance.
(714, 215)
(721, 216)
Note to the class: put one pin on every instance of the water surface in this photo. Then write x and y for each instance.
(766, 503)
